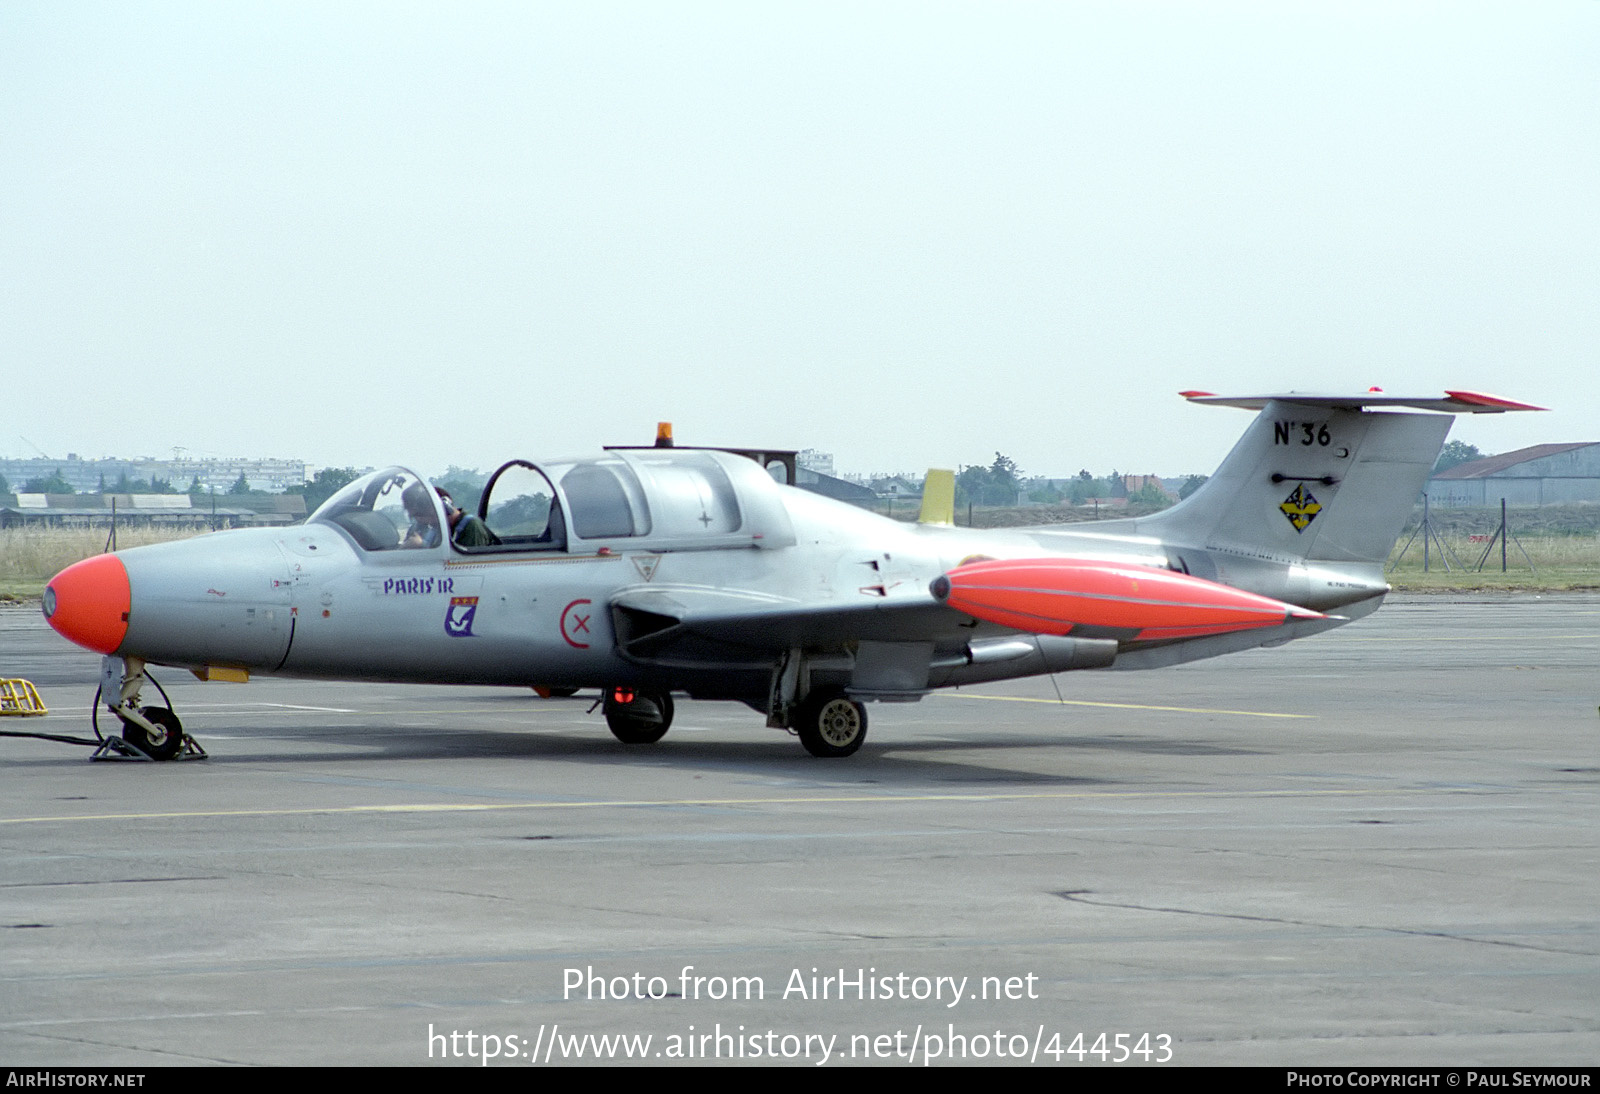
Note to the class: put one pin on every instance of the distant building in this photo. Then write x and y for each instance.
(1546, 474)
(820, 462)
(90, 476)
(830, 487)
(896, 486)
(1129, 485)
(160, 510)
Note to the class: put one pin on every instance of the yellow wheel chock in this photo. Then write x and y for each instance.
(18, 698)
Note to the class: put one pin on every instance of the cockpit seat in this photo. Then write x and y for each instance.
(373, 531)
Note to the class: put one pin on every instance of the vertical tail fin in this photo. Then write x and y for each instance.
(1317, 477)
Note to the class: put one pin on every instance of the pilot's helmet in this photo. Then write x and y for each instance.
(417, 502)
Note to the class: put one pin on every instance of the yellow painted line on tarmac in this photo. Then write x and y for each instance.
(402, 712)
(219, 712)
(366, 712)
(1126, 706)
(678, 803)
(1519, 639)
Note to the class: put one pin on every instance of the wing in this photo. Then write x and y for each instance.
(1125, 605)
(700, 627)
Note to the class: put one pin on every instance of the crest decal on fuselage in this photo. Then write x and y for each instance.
(458, 618)
(1301, 508)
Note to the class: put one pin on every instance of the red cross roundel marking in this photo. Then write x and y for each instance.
(575, 624)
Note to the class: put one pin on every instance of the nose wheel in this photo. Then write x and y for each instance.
(163, 741)
(638, 717)
(148, 733)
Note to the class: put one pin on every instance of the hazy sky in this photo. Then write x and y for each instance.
(906, 233)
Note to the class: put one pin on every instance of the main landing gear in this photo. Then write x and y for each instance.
(828, 721)
(638, 717)
(830, 724)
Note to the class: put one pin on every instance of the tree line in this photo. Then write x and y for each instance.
(1002, 483)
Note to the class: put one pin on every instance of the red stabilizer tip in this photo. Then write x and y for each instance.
(1476, 398)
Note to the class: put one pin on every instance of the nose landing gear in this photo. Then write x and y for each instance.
(163, 741)
(148, 732)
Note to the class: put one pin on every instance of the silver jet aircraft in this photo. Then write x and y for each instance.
(650, 572)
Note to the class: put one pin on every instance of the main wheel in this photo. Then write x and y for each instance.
(165, 743)
(638, 717)
(831, 724)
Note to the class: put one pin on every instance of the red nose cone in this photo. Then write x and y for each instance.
(89, 601)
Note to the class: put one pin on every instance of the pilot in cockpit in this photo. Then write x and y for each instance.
(467, 531)
(424, 529)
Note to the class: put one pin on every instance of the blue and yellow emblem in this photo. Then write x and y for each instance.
(459, 616)
(1301, 508)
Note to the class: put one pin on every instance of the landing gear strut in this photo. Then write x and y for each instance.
(638, 717)
(148, 733)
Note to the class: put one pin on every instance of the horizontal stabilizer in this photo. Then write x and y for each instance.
(1453, 402)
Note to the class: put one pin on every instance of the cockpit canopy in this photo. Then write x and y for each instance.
(383, 509)
(649, 499)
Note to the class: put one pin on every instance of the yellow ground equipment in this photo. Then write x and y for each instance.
(18, 697)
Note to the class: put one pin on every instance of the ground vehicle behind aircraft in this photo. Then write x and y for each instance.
(650, 572)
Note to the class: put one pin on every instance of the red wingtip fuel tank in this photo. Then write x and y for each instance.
(1057, 595)
(89, 601)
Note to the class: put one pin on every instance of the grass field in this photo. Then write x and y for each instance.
(29, 557)
(1535, 562)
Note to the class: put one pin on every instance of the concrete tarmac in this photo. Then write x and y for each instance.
(1372, 847)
